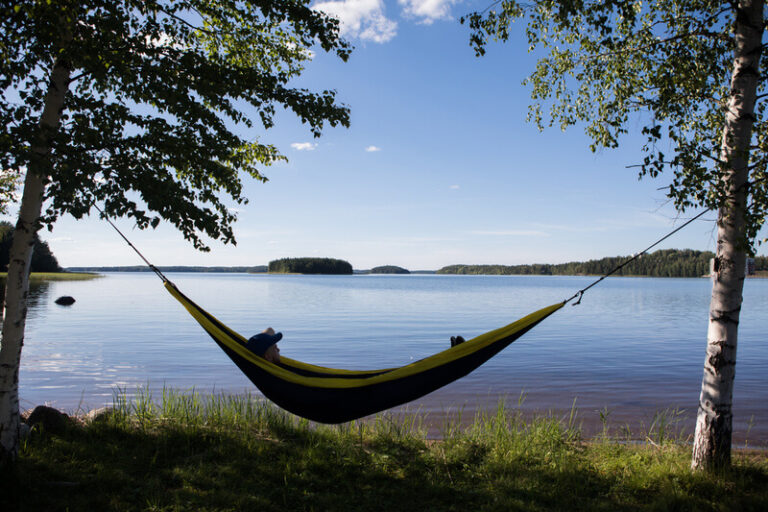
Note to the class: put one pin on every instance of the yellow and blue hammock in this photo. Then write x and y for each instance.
(330, 395)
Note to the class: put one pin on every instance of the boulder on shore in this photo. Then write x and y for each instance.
(96, 415)
(47, 419)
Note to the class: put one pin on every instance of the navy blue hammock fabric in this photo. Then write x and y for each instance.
(330, 395)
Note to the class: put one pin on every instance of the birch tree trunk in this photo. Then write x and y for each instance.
(714, 423)
(17, 283)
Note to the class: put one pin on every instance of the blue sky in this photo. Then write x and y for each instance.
(439, 166)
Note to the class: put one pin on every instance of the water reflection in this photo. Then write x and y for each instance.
(38, 294)
(635, 346)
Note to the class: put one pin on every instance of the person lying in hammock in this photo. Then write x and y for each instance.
(264, 345)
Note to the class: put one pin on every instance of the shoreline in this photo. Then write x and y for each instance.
(356, 272)
(630, 425)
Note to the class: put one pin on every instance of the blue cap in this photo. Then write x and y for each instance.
(259, 343)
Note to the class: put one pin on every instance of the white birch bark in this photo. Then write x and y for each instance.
(712, 441)
(17, 283)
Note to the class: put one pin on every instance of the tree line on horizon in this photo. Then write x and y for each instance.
(662, 263)
(43, 259)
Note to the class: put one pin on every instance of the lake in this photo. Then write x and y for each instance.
(632, 348)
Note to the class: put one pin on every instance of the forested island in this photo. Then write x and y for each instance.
(309, 266)
(389, 269)
(663, 263)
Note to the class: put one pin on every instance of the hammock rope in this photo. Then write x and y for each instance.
(151, 266)
(618, 267)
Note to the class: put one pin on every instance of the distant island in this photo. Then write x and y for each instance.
(663, 263)
(389, 269)
(309, 266)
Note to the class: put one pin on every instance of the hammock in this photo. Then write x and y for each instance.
(329, 395)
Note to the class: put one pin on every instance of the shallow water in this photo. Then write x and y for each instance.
(635, 346)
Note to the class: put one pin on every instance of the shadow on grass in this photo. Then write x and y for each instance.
(286, 465)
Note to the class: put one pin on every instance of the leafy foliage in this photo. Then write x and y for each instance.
(664, 263)
(663, 65)
(310, 266)
(43, 259)
(8, 183)
(162, 113)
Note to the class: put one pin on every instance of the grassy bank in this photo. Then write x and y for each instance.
(58, 276)
(189, 452)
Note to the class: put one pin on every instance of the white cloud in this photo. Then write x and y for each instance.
(372, 149)
(361, 18)
(428, 10)
(454, 187)
(304, 146)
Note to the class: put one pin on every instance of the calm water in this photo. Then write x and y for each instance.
(634, 346)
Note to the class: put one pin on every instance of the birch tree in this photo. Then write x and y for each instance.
(690, 71)
(151, 108)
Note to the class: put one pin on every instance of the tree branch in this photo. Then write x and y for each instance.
(665, 41)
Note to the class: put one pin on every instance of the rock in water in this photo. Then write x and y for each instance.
(65, 300)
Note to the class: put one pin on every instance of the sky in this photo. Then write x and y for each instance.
(439, 166)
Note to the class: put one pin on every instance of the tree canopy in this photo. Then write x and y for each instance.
(662, 66)
(164, 101)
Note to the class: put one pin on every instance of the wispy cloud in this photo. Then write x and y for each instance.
(372, 149)
(634, 219)
(454, 187)
(511, 232)
(304, 146)
(427, 11)
(363, 19)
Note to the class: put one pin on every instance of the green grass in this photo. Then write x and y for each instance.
(58, 276)
(215, 453)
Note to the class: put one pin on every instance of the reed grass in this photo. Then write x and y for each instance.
(58, 276)
(174, 451)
